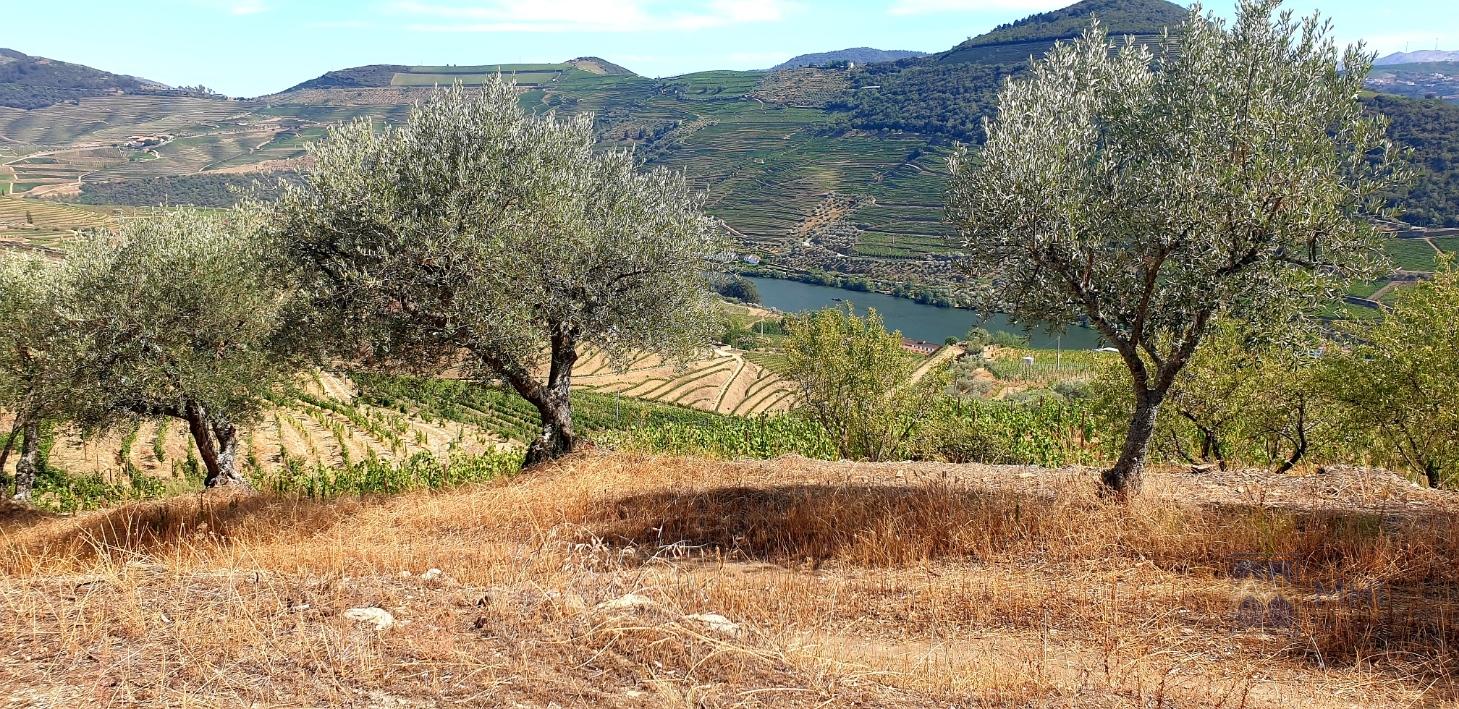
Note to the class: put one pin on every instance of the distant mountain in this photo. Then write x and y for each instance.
(382, 75)
(358, 77)
(36, 82)
(859, 55)
(950, 92)
(1035, 34)
(601, 67)
(1423, 56)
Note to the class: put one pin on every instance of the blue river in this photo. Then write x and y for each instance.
(914, 320)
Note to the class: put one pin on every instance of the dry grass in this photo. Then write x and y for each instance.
(853, 585)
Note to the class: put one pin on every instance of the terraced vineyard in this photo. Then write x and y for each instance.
(46, 223)
(334, 420)
(323, 425)
(727, 382)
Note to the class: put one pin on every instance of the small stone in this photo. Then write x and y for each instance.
(380, 617)
(716, 622)
(431, 574)
(630, 601)
(406, 574)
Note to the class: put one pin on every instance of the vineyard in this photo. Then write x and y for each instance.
(727, 382)
(333, 428)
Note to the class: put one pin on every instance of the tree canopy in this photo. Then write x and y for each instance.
(1149, 192)
(184, 315)
(479, 227)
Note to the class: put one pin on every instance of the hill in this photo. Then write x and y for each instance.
(1423, 56)
(948, 93)
(28, 82)
(858, 55)
(831, 174)
(386, 75)
(595, 65)
(1430, 80)
(1431, 130)
(1032, 36)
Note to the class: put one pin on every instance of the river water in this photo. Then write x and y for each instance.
(914, 320)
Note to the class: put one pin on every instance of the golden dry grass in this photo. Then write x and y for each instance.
(852, 585)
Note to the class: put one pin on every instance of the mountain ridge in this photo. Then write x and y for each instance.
(859, 55)
(1422, 56)
(29, 82)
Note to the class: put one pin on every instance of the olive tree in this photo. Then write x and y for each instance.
(1400, 383)
(1148, 192)
(34, 358)
(183, 315)
(477, 227)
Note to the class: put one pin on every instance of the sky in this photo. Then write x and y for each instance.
(255, 47)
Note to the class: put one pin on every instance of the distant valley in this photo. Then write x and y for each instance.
(832, 163)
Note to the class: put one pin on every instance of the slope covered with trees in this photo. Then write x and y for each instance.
(1431, 129)
(36, 82)
(949, 93)
(859, 55)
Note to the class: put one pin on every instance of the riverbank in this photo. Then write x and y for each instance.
(914, 320)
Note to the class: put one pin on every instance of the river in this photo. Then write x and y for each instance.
(915, 320)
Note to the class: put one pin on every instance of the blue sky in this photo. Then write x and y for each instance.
(252, 47)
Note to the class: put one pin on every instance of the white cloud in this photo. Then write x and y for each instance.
(587, 15)
(922, 7)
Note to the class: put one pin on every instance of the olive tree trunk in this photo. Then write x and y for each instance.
(217, 443)
(28, 464)
(553, 401)
(1128, 472)
(5, 452)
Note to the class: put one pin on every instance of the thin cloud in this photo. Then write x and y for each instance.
(587, 15)
(924, 7)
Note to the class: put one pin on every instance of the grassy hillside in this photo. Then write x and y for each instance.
(36, 82)
(640, 581)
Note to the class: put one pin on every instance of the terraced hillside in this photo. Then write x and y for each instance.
(337, 420)
(726, 382)
(837, 170)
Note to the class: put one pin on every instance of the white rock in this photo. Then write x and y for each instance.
(716, 622)
(431, 574)
(380, 617)
(630, 601)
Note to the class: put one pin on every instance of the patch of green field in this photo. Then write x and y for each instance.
(1365, 290)
(1411, 254)
(522, 78)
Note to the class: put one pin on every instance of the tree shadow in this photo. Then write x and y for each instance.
(144, 528)
(1336, 584)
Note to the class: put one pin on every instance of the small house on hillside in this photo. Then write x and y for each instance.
(921, 347)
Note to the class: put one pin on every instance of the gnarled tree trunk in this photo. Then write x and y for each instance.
(217, 443)
(29, 462)
(554, 401)
(5, 452)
